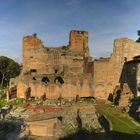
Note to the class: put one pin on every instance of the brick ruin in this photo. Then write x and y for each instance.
(70, 71)
(108, 72)
(65, 71)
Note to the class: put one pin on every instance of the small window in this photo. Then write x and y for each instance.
(34, 78)
(33, 70)
(56, 70)
(63, 54)
(45, 80)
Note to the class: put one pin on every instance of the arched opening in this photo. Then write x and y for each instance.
(33, 70)
(59, 79)
(45, 80)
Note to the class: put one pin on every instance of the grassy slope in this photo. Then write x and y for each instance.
(122, 124)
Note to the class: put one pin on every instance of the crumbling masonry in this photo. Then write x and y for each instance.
(69, 71)
(65, 71)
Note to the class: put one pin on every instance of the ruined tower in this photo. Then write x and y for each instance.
(78, 40)
(30, 46)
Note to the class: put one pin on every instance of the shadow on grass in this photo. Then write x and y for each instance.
(135, 103)
(86, 135)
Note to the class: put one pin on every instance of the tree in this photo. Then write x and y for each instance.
(8, 69)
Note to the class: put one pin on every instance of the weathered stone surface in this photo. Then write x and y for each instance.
(19, 113)
(64, 71)
(123, 96)
(66, 121)
(108, 71)
(68, 71)
(42, 128)
(69, 125)
(78, 40)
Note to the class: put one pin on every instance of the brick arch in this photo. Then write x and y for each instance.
(45, 80)
(59, 79)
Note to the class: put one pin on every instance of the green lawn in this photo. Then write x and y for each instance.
(124, 127)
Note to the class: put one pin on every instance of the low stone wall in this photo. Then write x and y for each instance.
(42, 128)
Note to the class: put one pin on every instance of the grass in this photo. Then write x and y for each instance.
(121, 122)
(3, 102)
(17, 101)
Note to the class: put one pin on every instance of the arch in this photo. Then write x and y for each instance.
(45, 80)
(59, 79)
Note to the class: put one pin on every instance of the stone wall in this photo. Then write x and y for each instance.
(108, 71)
(61, 123)
(70, 89)
(42, 128)
(47, 60)
(103, 78)
(64, 71)
(70, 70)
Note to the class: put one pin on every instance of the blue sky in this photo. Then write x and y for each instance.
(52, 20)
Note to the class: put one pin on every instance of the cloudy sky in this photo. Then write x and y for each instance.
(52, 20)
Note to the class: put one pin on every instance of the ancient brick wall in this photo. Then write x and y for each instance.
(72, 67)
(30, 46)
(71, 87)
(60, 71)
(107, 72)
(42, 128)
(103, 78)
(48, 60)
